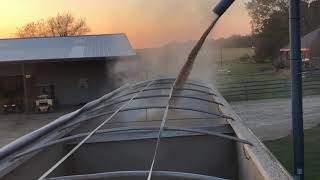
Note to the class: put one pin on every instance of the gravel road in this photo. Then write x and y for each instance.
(271, 118)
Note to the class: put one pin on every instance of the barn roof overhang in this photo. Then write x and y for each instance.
(65, 49)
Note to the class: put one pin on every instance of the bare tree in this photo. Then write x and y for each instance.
(61, 25)
(38, 29)
(66, 25)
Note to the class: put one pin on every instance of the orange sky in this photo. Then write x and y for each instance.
(148, 23)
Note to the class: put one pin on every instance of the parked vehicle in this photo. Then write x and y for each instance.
(44, 103)
(12, 106)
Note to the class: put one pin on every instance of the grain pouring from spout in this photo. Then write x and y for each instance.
(187, 67)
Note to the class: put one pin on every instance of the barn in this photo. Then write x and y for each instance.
(310, 54)
(72, 70)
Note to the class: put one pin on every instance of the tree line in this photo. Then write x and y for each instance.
(235, 41)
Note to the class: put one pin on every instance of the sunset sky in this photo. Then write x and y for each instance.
(148, 23)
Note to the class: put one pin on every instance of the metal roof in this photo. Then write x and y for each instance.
(307, 40)
(71, 47)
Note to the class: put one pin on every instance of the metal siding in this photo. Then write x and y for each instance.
(113, 45)
(66, 78)
(10, 70)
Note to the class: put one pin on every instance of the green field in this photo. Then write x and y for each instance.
(234, 54)
(245, 68)
(249, 81)
(265, 87)
(253, 81)
(282, 149)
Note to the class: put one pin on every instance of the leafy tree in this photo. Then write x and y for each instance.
(61, 25)
(261, 10)
(273, 37)
(310, 14)
(270, 25)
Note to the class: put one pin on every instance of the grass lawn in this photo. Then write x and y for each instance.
(244, 81)
(246, 68)
(239, 72)
(282, 149)
(233, 54)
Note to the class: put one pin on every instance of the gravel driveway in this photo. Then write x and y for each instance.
(271, 118)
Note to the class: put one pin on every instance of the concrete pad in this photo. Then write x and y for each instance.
(13, 126)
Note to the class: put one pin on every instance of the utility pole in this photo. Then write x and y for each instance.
(25, 90)
(296, 90)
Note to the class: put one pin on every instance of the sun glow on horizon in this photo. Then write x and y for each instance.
(147, 23)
